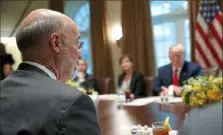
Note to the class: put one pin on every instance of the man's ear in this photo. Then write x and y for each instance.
(55, 42)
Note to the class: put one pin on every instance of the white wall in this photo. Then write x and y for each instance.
(13, 9)
(10, 14)
(11, 48)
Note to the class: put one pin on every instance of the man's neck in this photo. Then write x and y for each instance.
(177, 66)
(49, 65)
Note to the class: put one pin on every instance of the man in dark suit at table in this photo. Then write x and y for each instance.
(171, 77)
(85, 80)
(205, 121)
(34, 99)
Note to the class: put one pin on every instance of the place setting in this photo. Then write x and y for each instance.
(157, 128)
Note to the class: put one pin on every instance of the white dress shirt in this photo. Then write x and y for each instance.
(178, 71)
(125, 84)
(46, 70)
(79, 81)
(171, 87)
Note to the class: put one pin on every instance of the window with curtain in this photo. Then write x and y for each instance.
(170, 26)
(79, 11)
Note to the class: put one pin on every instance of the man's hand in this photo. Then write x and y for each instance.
(177, 90)
(164, 91)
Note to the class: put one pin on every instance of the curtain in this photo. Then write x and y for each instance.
(137, 38)
(101, 51)
(221, 5)
(193, 7)
(56, 5)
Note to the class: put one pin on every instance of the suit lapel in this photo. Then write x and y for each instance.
(87, 76)
(170, 73)
(183, 73)
(132, 80)
(121, 79)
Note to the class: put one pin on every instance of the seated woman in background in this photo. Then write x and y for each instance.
(84, 79)
(130, 79)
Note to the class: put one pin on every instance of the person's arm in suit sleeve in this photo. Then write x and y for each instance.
(80, 118)
(94, 84)
(197, 71)
(157, 86)
(139, 92)
(76, 79)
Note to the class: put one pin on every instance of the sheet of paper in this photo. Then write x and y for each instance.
(108, 97)
(148, 100)
(137, 102)
(176, 100)
(170, 100)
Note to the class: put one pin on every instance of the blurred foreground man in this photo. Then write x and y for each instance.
(204, 121)
(171, 77)
(34, 100)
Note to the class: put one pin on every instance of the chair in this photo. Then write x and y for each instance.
(210, 71)
(104, 85)
(148, 83)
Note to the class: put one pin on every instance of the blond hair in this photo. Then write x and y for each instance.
(178, 47)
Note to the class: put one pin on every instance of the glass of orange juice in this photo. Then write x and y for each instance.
(159, 129)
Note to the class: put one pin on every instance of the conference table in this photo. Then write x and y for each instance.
(117, 119)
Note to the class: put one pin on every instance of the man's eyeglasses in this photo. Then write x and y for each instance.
(79, 43)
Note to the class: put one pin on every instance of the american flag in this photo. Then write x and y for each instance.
(208, 35)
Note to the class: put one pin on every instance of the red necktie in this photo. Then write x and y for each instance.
(175, 78)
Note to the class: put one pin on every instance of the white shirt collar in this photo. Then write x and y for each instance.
(178, 70)
(46, 70)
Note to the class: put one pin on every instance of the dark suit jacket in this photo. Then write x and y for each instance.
(33, 102)
(137, 83)
(203, 121)
(164, 77)
(89, 83)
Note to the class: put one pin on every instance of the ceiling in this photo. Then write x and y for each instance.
(11, 12)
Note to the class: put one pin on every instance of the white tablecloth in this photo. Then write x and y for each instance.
(137, 102)
(148, 100)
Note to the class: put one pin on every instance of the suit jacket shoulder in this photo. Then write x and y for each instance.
(204, 121)
(164, 69)
(137, 74)
(192, 65)
(120, 78)
(192, 69)
(43, 105)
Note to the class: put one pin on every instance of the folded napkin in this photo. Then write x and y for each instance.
(108, 97)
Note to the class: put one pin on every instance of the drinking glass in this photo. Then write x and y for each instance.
(158, 129)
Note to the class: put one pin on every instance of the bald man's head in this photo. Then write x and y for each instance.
(50, 37)
(38, 25)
